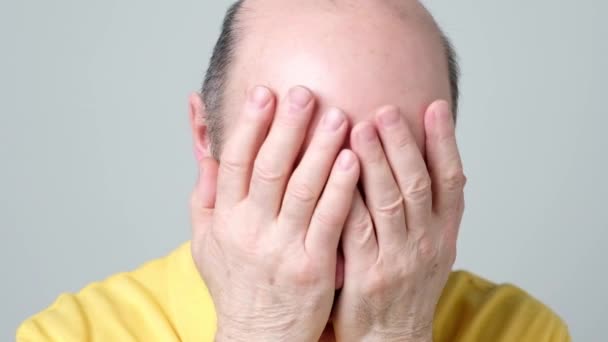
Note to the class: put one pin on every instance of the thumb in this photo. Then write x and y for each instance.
(207, 182)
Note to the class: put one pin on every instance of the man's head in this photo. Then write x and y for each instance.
(355, 55)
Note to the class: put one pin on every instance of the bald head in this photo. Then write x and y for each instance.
(354, 55)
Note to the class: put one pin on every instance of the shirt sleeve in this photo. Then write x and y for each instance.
(125, 307)
(474, 309)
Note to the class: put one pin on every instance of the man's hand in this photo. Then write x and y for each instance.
(400, 243)
(266, 244)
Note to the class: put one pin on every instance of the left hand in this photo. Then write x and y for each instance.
(400, 243)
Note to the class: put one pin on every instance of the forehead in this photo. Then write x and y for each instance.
(356, 59)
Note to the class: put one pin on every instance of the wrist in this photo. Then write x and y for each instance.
(398, 338)
(229, 333)
(225, 335)
(417, 335)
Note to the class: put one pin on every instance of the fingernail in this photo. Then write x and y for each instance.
(346, 160)
(367, 133)
(333, 119)
(299, 97)
(389, 117)
(259, 96)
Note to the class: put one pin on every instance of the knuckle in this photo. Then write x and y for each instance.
(403, 141)
(302, 193)
(419, 188)
(232, 166)
(362, 228)
(391, 209)
(307, 274)
(427, 248)
(263, 172)
(327, 218)
(377, 284)
(454, 180)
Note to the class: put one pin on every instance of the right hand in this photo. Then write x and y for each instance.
(266, 244)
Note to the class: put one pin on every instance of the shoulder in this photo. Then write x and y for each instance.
(114, 309)
(475, 309)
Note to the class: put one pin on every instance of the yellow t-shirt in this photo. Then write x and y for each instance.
(166, 300)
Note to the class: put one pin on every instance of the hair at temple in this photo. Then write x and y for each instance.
(223, 52)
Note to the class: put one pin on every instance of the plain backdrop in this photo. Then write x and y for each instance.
(96, 163)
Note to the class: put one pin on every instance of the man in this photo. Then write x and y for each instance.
(329, 198)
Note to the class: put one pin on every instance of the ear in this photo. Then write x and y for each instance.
(200, 132)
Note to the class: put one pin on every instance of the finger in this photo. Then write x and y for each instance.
(444, 160)
(339, 268)
(274, 163)
(242, 146)
(408, 166)
(203, 197)
(207, 185)
(382, 194)
(359, 238)
(309, 178)
(330, 214)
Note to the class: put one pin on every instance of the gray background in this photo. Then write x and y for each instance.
(96, 164)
